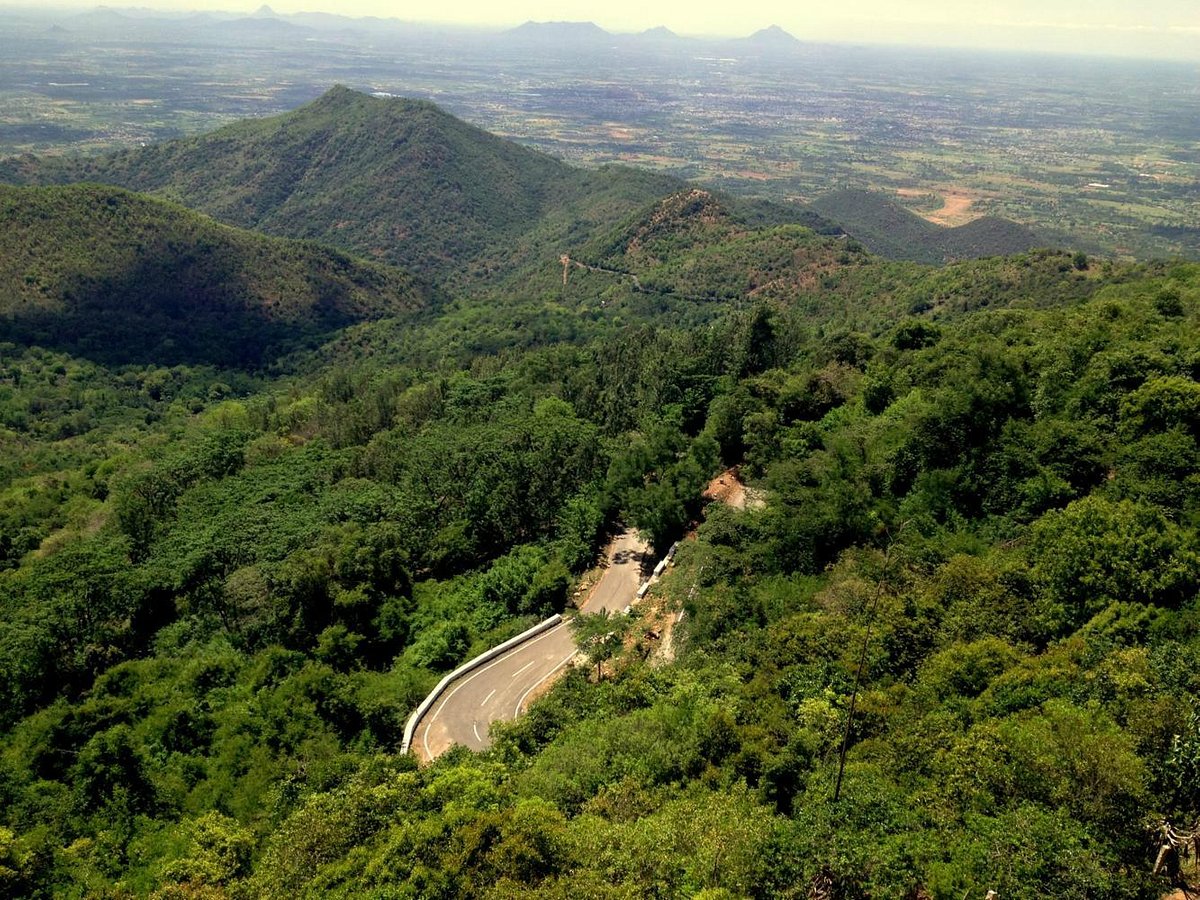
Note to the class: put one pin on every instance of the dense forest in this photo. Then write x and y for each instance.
(225, 583)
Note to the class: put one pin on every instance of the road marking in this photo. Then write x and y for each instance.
(635, 555)
(441, 704)
(475, 728)
(493, 694)
(523, 668)
(543, 680)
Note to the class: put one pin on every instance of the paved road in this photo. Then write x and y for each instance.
(501, 689)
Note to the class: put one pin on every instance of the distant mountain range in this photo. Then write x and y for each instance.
(769, 40)
(267, 24)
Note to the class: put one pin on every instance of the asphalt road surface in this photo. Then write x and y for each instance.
(501, 689)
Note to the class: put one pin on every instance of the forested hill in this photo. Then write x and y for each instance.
(120, 277)
(695, 245)
(391, 179)
(892, 231)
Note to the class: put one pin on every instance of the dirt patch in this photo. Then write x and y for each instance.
(653, 638)
(728, 488)
(956, 210)
(956, 206)
(666, 646)
(583, 590)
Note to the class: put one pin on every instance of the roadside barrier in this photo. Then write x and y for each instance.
(658, 571)
(410, 729)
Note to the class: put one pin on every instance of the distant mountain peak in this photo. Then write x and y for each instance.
(102, 14)
(774, 36)
(559, 31)
(264, 12)
(660, 31)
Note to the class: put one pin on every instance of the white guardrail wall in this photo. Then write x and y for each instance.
(414, 720)
(410, 728)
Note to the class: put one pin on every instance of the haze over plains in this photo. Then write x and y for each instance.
(1164, 29)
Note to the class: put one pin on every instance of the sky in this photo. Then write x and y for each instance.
(1151, 28)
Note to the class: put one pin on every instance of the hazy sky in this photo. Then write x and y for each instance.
(1126, 27)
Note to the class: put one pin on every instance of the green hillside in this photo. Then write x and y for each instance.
(121, 277)
(695, 246)
(890, 230)
(391, 179)
(395, 180)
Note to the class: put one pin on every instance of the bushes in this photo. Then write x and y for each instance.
(1097, 552)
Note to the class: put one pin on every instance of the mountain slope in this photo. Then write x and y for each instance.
(989, 236)
(890, 230)
(121, 277)
(393, 179)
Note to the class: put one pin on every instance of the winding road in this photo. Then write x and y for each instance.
(500, 690)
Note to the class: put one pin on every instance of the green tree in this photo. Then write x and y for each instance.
(599, 635)
(1096, 552)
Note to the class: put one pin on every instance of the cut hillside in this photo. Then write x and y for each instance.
(392, 179)
(120, 277)
(890, 230)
